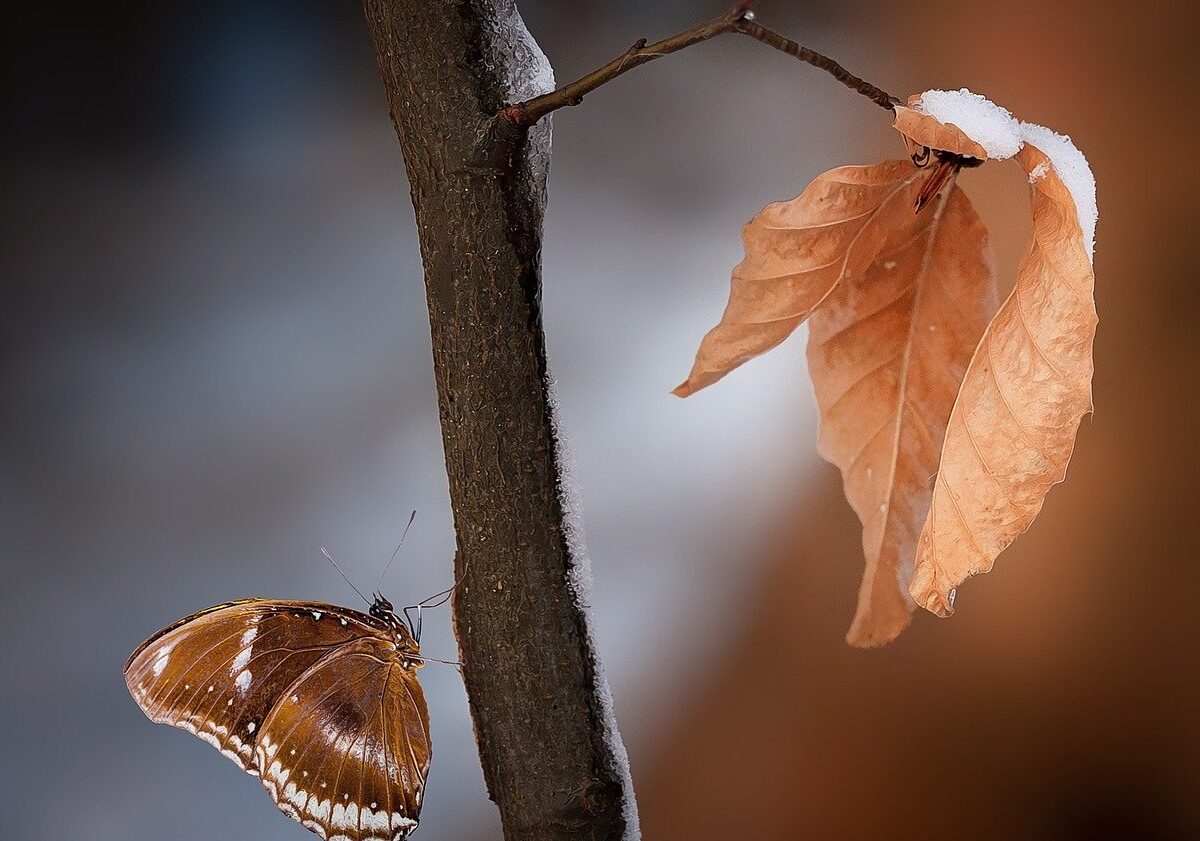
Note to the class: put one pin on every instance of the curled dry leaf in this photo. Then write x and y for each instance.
(887, 353)
(924, 130)
(1013, 427)
(796, 253)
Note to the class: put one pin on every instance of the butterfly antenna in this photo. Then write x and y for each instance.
(396, 551)
(329, 557)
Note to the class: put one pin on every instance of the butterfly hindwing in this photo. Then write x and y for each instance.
(219, 672)
(347, 751)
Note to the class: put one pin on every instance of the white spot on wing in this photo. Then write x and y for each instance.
(243, 681)
(240, 661)
(164, 655)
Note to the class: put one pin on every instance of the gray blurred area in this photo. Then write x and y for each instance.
(216, 360)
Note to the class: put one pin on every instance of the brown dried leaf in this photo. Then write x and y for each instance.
(923, 130)
(1013, 427)
(887, 352)
(796, 253)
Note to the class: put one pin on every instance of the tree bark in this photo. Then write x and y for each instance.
(551, 756)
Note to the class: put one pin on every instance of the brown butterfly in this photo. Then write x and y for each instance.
(320, 702)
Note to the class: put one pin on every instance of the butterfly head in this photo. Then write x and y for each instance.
(384, 611)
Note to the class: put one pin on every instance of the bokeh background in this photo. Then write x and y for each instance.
(215, 360)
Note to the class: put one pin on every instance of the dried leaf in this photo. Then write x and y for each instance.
(1013, 427)
(887, 352)
(948, 434)
(796, 253)
(923, 130)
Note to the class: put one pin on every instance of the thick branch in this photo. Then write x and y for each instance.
(524, 114)
(548, 752)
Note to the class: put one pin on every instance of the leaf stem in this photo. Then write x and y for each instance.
(739, 19)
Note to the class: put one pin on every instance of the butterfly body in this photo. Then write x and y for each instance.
(320, 702)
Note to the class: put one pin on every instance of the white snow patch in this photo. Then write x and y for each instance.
(579, 577)
(982, 120)
(537, 77)
(1072, 167)
(1002, 136)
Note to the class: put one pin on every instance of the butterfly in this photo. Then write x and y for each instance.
(320, 702)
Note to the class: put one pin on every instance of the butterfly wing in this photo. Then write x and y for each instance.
(219, 672)
(346, 752)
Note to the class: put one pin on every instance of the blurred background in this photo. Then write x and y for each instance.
(215, 360)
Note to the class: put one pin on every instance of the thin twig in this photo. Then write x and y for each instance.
(531, 110)
(739, 19)
(746, 26)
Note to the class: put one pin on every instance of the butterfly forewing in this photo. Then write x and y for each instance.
(257, 677)
(217, 673)
(347, 752)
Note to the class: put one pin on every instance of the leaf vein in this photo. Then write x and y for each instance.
(882, 365)
(863, 319)
(1025, 433)
(867, 443)
(961, 518)
(1018, 305)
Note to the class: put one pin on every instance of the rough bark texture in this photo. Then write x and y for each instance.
(546, 744)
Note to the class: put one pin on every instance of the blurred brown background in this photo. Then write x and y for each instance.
(215, 360)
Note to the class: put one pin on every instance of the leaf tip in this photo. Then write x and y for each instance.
(939, 604)
(684, 389)
(870, 631)
(858, 639)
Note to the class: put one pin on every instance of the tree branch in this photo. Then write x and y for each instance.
(549, 751)
(739, 19)
(746, 26)
(529, 112)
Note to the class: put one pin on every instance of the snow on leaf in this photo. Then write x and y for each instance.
(797, 252)
(964, 119)
(887, 352)
(1012, 430)
(923, 130)
(1072, 167)
(968, 124)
